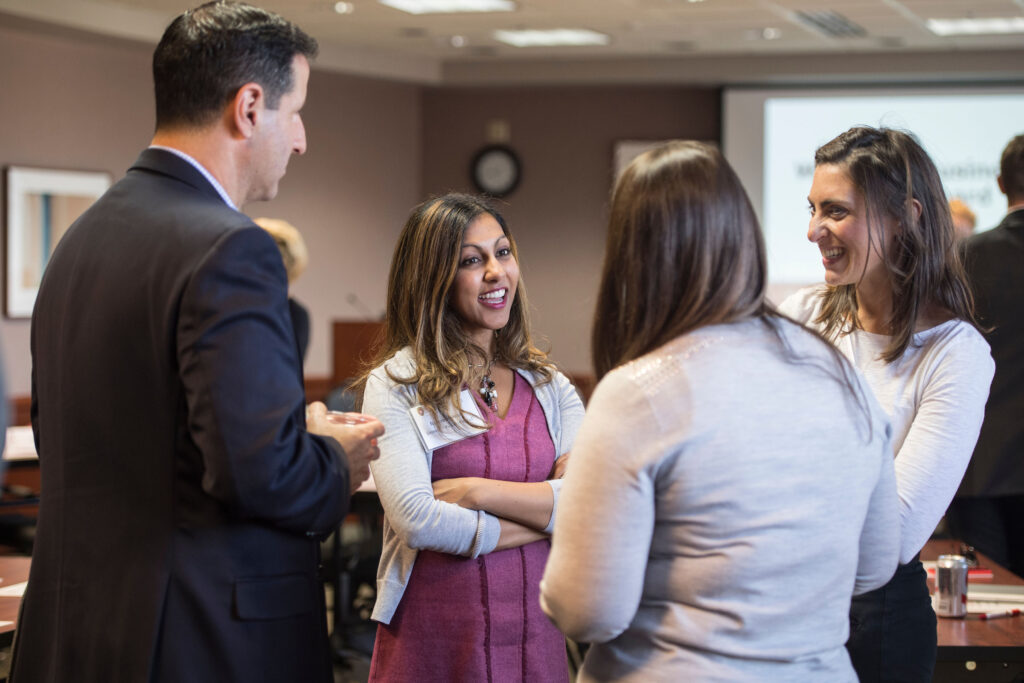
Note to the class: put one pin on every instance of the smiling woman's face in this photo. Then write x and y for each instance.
(486, 280)
(839, 226)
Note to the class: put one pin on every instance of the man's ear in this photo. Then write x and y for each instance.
(1002, 187)
(246, 107)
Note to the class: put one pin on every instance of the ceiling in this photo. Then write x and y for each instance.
(650, 40)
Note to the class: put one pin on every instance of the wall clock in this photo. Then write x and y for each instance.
(496, 170)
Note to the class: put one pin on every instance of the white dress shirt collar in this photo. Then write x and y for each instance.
(199, 167)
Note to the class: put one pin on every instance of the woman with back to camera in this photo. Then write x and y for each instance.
(467, 515)
(896, 304)
(731, 468)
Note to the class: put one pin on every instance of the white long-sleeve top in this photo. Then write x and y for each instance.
(935, 398)
(722, 504)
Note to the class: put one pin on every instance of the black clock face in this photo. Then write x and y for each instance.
(495, 170)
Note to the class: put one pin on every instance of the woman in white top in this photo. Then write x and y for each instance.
(731, 468)
(895, 302)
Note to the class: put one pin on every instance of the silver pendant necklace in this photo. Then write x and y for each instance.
(487, 390)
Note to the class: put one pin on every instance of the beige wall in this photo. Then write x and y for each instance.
(565, 138)
(349, 195)
(71, 101)
(375, 149)
(67, 103)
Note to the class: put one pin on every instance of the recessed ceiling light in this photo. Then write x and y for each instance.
(975, 27)
(450, 6)
(344, 7)
(771, 33)
(553, 37)
(458, 41)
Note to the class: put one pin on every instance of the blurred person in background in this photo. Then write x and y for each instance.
(296, 257)
(964, 220)
(988, 512)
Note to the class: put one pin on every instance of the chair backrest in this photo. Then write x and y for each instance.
(340, 398)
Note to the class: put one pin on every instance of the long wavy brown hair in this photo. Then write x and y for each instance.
(891, 170)
(419, 313)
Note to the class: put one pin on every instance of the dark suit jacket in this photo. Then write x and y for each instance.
(995, 269)
(182, 498)
(300, 323)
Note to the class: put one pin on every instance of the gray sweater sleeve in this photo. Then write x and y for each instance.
(603, 530)
(879, 546)
(402, 476)
(569, 417)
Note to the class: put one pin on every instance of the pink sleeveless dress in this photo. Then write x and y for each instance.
(479, 619)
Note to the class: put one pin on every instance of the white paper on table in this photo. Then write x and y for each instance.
(989, 598)
(996, 593)
(20, 444)
(986, 607)
(15, 590)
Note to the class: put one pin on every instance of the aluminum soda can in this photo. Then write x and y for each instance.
(951, 586)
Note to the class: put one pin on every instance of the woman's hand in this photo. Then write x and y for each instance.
(528, 503)
(558, 469)
(461, 491)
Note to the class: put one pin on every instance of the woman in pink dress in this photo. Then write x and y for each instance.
(478, 424)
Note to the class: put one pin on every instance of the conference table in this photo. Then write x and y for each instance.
(973, 650)
(13, 575)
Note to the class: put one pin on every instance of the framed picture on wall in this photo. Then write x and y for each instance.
(39, 206)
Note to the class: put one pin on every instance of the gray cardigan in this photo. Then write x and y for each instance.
(414, 519)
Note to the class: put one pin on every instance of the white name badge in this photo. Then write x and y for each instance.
(434, 435)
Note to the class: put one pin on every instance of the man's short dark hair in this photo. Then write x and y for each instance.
(209, 52)
(1011, 169)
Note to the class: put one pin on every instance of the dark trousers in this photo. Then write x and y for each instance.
(994, 526)
(892, 629)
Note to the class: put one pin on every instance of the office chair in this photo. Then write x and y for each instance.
(350, 563)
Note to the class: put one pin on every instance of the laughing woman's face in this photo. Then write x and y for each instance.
(839, 226)
(486, 280)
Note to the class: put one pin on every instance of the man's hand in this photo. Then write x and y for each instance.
(357, 434)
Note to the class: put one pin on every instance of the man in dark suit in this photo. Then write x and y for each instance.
(988, 511)
(185, 489)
